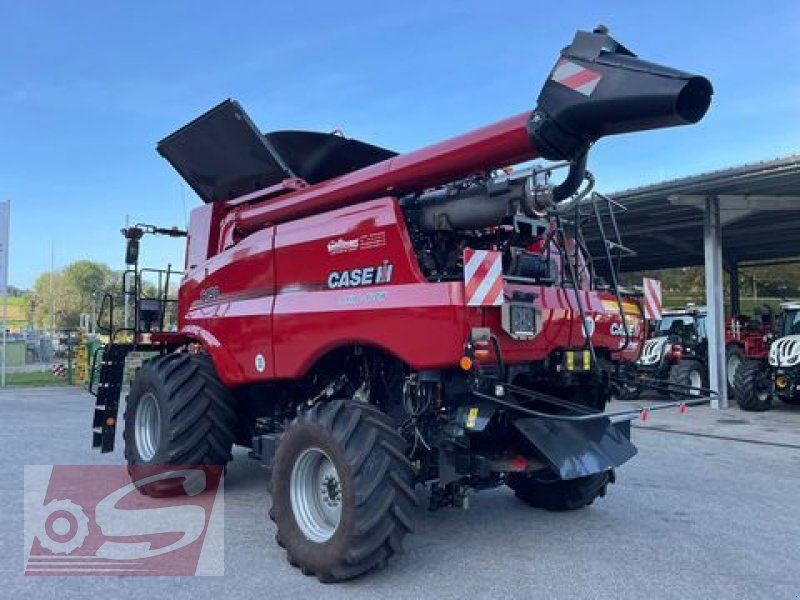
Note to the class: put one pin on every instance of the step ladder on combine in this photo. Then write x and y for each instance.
(107, 392)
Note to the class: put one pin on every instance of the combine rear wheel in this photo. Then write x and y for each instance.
(687, 373)
(342, 495)
(177, 413)
(559, 495)
(753, 387)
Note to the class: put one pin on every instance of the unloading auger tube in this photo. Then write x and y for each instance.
(597, 87)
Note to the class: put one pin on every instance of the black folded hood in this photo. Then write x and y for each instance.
(222, 154)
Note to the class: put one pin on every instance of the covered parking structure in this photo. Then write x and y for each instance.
(723, 220)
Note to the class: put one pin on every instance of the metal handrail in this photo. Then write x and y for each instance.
(92, 369)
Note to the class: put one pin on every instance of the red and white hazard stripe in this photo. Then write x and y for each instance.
(58, 370)
(576, 77)
(652, 298)
(483, 277)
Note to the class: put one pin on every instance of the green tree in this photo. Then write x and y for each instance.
(77, 289)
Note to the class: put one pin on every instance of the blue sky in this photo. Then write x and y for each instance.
(88, 88)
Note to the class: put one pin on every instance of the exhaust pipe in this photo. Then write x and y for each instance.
(598, 87)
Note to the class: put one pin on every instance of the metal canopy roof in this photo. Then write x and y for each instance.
(759, 211)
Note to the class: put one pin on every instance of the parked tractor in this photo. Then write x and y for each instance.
(759, 382)
(367, 322)
(675, 355)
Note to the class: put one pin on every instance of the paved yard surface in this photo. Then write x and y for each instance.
(697, 514)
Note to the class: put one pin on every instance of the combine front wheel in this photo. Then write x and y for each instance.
(177, 413)
(342, 495)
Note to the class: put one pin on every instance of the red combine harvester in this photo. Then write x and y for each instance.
(366, 321)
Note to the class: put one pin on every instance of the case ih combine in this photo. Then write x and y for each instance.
(366, 321)
(676, 354)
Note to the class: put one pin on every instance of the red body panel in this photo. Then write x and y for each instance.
(753, 342)
(270, 296)
(226, 303)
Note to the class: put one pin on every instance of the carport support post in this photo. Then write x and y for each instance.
(733, 274)
(715, 323)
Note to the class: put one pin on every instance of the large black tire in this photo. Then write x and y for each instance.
(687, 372)
(753, 387)
(734, 359)
(560, 495)
(193, 419)
(372, 487)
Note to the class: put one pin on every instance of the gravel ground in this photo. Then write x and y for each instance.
(690, 517)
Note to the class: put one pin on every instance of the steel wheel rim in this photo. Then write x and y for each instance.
(147, 431)
(696, 381)
(315, 493)
(734, 362)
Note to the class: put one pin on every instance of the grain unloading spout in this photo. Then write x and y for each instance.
(598, 87)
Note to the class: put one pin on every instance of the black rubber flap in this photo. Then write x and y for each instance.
(579, 448)
(222, 154)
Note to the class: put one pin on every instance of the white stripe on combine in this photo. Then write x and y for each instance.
(498, 299)
(472, 265)
(566, 69)
(587, 88)
(495, 271)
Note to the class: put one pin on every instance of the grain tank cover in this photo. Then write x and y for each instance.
(316, 157)
(223, 155)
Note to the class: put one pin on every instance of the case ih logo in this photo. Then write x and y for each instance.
(362, 276)
(91, 520)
